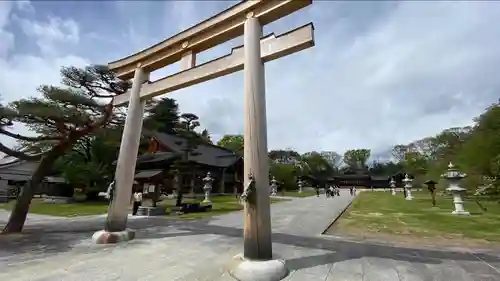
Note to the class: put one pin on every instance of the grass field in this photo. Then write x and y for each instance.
(379, 214)
(63, 210)
(220, 205)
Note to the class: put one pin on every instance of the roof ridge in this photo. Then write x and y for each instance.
(203, 143)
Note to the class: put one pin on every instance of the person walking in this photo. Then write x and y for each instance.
(354, 191)
(137, 201)
(350, 190)
(110, 192)
(332, 191)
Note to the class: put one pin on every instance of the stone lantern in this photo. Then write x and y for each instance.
(300, 184)
(453, 176)
(431, 186)
(407, 181)
(392, 185)
(207, 187)
(274, 186)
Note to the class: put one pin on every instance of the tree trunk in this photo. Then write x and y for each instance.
(20, 212)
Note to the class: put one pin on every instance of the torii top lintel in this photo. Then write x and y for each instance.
(207, 34)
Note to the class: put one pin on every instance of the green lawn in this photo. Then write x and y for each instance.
(220, 205)
(63, 210)
(375, 214)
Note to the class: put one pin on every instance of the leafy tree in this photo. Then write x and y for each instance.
(346, 170)
(482, 149)
(284, 174)
(89, 164)
(415, 163)
(287, 156)
(184, 166)
(205, 136)
(287, 165)
(317, 166)
(385, 168)
(162, 116)
(232, 142)
(378, 168)
(333, 158)
(356, 159)
(60, 118)
(428, 147)
(398, 152)
(449, 142)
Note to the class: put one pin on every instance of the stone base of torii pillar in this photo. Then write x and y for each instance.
(252, 270)
(108, 237)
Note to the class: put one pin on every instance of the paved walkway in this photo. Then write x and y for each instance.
(203, 250)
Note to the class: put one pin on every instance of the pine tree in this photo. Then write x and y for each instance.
(60, 118)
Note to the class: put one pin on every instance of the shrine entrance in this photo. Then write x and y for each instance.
(246, 18)
(346, 181)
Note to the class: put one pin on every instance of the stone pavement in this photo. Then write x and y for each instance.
(203, 250)
(32, 218)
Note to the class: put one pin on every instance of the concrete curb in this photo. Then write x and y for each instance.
(338, 217)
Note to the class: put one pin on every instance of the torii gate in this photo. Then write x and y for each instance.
(246, 18)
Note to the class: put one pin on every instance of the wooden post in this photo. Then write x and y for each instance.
(236, 181)
(433, 194)
(222, 187)
(188, 60)
(257, 226)
(192, 184)
(127, 157)
(156, 194)
(175, 183)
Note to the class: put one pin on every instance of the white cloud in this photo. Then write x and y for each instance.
(25, 6)
(5, 9)
(50, 34)
(381, 73)
(22, 73)
(370, 81)
(27, 72)
(6, 38)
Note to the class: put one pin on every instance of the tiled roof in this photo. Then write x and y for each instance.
(8, 160)
(211, 155)
(147, 174)
(155, 157)
(381, 178)
(20, 170)
(352, 176)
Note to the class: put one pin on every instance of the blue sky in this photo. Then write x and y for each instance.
(381, 73)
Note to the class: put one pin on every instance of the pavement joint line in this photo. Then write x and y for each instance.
(487, 263)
